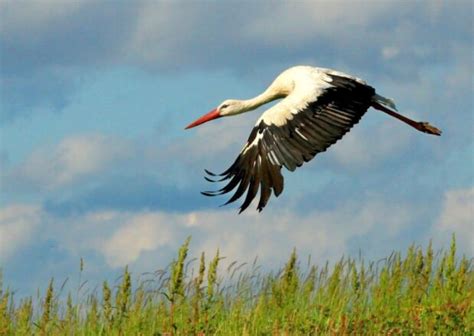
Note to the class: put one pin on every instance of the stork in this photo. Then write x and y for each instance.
(318, 107)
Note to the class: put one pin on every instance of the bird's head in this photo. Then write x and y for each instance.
(226, 108)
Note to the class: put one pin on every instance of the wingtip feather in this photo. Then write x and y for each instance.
(209, 172)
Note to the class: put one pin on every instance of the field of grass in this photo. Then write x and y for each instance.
(417, 292)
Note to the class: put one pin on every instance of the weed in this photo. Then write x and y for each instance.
(421, 293)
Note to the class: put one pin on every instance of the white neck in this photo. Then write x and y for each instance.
(267, 96)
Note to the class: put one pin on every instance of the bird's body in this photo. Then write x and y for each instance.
(301, 85)
(318, 107)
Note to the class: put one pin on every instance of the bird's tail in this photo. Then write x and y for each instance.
(385, 102)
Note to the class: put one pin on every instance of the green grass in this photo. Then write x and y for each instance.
(422, 292)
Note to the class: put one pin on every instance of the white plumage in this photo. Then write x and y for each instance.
(318, 106)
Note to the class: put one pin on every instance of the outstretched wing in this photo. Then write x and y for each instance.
(298, 139)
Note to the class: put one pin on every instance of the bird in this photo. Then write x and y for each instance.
(318, 107)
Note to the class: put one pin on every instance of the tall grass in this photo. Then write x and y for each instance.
(421, 292)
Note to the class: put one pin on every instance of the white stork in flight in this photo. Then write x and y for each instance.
(318, 107)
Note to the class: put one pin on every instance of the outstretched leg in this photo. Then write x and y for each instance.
(419, 125)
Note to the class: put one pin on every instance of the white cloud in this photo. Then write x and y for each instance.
(147, 239)
(383, 40)
(390, 52)
(74, 157)
(369, 146)
(134, 237)
(143, 232)
(151, 40)
(457, 217)
(18, 222)
(270, 236)
(174, 35)
(297, 22)
(80, 157)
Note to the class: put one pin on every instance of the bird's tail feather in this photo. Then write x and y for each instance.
(385, 102)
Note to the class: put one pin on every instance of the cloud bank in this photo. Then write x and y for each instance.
(44, 62)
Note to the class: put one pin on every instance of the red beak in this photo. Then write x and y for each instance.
(214, 114)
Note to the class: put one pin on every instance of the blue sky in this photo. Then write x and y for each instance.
(95, 162)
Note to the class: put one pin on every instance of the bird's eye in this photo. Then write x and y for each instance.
(224, 106)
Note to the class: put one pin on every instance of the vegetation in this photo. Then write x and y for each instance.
(420, 293)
